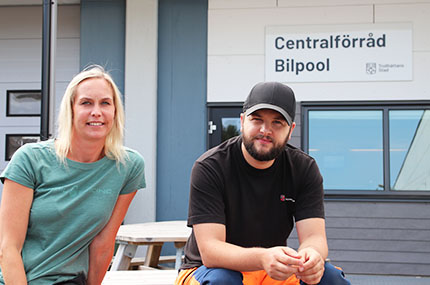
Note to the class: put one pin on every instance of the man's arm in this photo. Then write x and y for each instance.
(279, 262)
(313, 249)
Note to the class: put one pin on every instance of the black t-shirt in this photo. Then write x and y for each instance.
(257, 206)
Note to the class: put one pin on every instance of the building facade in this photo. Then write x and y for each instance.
(185, 67)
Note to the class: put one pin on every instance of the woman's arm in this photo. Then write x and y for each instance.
(102, 247)
(14, 215)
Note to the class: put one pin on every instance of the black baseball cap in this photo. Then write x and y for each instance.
(271, 95)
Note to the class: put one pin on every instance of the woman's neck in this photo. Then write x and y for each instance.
(86, 151)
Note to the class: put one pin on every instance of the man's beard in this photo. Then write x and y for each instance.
(274, 152)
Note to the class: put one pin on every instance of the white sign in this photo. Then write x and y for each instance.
(368, 52)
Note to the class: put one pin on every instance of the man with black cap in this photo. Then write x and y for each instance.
(246, 195)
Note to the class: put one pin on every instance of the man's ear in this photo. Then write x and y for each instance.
(293, 125)
(242, 119)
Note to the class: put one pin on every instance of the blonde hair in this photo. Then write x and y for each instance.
(113, 147)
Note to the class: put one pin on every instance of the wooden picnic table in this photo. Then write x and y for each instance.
(140, 277)
(153, 235)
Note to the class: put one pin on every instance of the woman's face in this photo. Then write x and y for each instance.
(93, 110)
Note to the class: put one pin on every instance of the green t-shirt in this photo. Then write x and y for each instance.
(72, 203)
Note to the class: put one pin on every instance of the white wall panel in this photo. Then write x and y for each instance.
(236, 39)
(141, 99)
(68, 18)
(230, 78)
(370, 91)
(245, 71)
(60, 88)
(295, 3)
(21, 22)
(67, 59)
(26, 21)
(20, 60)
(231, 4)
(242, 31)
(234, 4)
(418, 14)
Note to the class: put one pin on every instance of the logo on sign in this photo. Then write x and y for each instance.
(371, 68)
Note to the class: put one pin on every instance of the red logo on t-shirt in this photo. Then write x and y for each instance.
(283, 198)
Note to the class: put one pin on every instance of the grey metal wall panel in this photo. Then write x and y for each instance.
(378, 238)
(103, 36)
(181, 113)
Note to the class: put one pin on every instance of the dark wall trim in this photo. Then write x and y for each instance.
(354, 104)
(349, 197)
(224, 104)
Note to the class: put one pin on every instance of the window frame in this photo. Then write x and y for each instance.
(7, 146)
(9, 93)
(214, 111)
(385, 106)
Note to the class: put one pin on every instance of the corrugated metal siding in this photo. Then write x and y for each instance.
(378, 237)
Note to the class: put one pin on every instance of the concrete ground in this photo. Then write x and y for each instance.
(387, 280)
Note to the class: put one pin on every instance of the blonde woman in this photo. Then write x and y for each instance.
(63, 200)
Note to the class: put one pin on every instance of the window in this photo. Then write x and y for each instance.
(409, 150)
(15, 141)
(345, 143)
(224, 122)
(23, 103)
(370, 150)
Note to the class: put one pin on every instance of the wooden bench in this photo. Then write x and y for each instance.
(140, 277)
(153, 235)
(138, 262)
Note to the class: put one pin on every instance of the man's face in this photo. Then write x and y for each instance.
(265, 134)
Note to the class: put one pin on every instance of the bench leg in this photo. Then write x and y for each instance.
(179, 252)
(153, 255)
(123, 256)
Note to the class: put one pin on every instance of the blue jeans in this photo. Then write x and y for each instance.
(221, 276)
